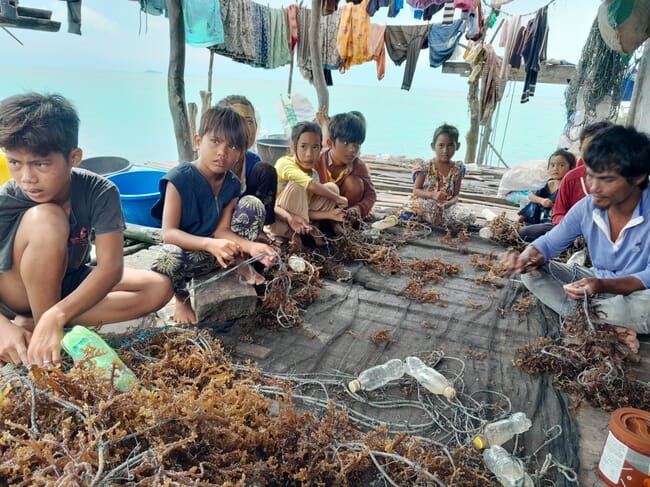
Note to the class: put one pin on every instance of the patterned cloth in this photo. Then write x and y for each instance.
(430, 211)
(353, 39)
(181, 265)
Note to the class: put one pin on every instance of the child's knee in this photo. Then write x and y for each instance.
(352, 189)
(44, 227)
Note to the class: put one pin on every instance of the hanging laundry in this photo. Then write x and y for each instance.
(292, 24)
(353, 38)
(374, 5)
(74, 16)
(431, 9)
(443, 40)
(303, 56)
(510, 45)
(492, 85)
(378, 48)
(261, 20)
(423, 4)
(403, 43)
(329, 29)
(154, 7)
(504, 34)
(448, 12)
(535, 52)
(464, 4)
(203, 25)
(520, 41)
(330, 57)
(394, 7)
(238, 43)
(279, 53)
(328, 7)
(498, 3)
(474, 22)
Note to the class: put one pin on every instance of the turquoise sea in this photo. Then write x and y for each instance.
(127, 114)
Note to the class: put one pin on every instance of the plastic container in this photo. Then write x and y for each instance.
(105, 165)
(80, 342)
(429, 377)
(625, 460)
(138, 193)
(509, 470)
(378, 376)
(499, 432)
(386, 222)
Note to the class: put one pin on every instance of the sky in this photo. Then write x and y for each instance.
(117, 36)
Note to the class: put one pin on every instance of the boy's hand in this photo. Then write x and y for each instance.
(258, 248)
(337, 215)
(354, 213)
(298, 224)
(45, 345)
(14, 344)
(224, 250)
(342, 201)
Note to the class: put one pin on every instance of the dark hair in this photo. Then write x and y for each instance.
(40, 124)
(445, 128)
(236, 100)
(223, 118)
(349, 127)
(357, 113)
(620, 149)
(303, 128)
(592, 129)
(568, 156)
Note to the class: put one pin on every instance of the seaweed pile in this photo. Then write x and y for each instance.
(198, 419)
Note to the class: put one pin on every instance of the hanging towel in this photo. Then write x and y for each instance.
(442, 42)
(492, 86)
(329, 28)
(261, 21)
(378, 48)
(353, 38)
(203, 25)
(279, 53)
(303, 58)
(403, 43)
(238, 42)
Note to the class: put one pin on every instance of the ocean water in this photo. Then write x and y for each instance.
(127, 113)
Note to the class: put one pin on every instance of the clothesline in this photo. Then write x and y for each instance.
(503, 12)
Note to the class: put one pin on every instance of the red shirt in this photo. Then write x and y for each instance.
(572, 189)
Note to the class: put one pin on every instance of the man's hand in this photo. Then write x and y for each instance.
(515, 263)
(576, 290)
(45, 345)
(14, 343)
(224, 250)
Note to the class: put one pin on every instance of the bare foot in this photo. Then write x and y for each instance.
(183, 312)
(628, 337)
(250, 275)
(26, 322)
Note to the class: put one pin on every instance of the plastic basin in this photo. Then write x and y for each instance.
(138, 193)
(272, 148)
(105, 165)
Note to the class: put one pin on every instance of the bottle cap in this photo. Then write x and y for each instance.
(449, 393)
(479, 442)
(354, 385)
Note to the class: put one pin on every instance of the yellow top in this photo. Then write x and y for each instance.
(4, 169)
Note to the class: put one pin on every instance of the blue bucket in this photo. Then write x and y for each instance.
(138, 193)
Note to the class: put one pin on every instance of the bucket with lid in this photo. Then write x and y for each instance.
(625, 460)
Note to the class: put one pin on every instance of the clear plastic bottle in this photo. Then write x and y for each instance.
(508, 470)
(386, 222)
(81, 342)
(499, 432)
(429, 377)
(378, 376)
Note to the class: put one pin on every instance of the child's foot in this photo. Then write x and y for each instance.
(251, 276)
(183, 312)
(628, 338)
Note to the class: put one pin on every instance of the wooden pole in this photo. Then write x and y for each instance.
(176, 81)
(317, 57)
(472, 134)
(206, 96)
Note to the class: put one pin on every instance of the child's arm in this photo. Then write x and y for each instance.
(369, 197)
(46, 339)
(224, 249)
(297, 224)
(538, 197)
(420, 192)
(251, 248)
(458, 181)
(336, 214)
(322, 190)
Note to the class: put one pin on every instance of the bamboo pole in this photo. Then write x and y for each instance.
(317, 57)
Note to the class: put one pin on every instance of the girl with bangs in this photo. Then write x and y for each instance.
(204, 222)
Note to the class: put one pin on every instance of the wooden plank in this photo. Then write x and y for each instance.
(559, 74)
(35, 13)
(31, 24)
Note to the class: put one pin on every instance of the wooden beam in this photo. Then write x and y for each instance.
(559, 74)
(31, 23)
(36, 13)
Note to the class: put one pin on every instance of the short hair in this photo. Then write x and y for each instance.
(593, 128)
(568, 156)
(303, 128)
(445, 128)
(222, 118)
(236, 100)
(40, 124)
(349, 127)
(620, 149)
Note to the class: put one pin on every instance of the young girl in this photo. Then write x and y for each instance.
(541, 201)
(302, 198)
(436, 183)
(204, 223)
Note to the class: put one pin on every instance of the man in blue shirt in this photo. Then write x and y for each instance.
(615, 222)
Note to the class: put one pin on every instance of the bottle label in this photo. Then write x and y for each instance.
(612, 459)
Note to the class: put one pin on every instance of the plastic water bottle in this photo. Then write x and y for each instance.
(378, 376)
(429, 377)
(508, 470)
(499, 432)
(386, 222)
(80, 342)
